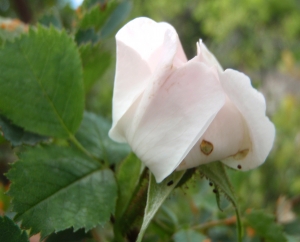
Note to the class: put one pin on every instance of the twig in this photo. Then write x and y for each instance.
(96, 236)
(295, 201)
(22, 7)
(205, 226)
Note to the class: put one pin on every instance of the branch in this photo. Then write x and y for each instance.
(205, 226)
(23, 10)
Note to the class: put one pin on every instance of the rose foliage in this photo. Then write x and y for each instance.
(175, 121)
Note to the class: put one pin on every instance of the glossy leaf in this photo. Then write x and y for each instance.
(69, 236)
(51, 18)
(17, 135)
(132, 181)
(129, 218)
(97, 16)
(216, 173)
(95, 61)
(93, 135)
(89, 29)
(10, 232)
(101, 20)
(116, 18)
(127, 183)
(186, 177)
(55, 188)
(157, 193)
(41, 86)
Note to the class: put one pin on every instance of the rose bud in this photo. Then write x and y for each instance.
(178, 114)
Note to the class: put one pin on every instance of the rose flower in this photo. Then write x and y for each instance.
(177, 114)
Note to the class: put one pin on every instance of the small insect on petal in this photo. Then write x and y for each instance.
(170, 183)
(239, 167)
(206, 147)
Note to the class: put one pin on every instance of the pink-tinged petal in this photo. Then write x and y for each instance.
(205, 56)
(162, 131)
(153, 41)
(226, 136)
(144, 47)
(252, 107)
(130, 81)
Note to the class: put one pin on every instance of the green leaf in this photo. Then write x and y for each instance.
(93, 135)
(87, 4)
(157, 193)
(41, 86)
(17, 135)
(265, 226)
(89, 29)
(10, 232)
(216, 173)
(97, 16)
(101, 21)
(87, 36)
(132, 181)
(116, 18)
(68, 17)
(186, 177)
(69, 236)
(127, 183)
(188, 236)
(51, 18)
(55, 188)
(131, 219)
(95, 61)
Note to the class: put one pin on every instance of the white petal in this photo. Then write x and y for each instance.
(252, 106)
(152, 41)
(175, 117)
(207, 57)
(143, 47)
(226, 136)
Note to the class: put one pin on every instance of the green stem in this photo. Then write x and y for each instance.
(239, 225)
(130, 220)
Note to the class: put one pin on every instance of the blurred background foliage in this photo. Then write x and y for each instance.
(260, 38)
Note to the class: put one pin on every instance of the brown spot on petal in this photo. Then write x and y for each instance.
(206, 147)
(182, 164)
(241, 154)
(239, 167)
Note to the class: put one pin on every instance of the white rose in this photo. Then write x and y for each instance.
(178, 114)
